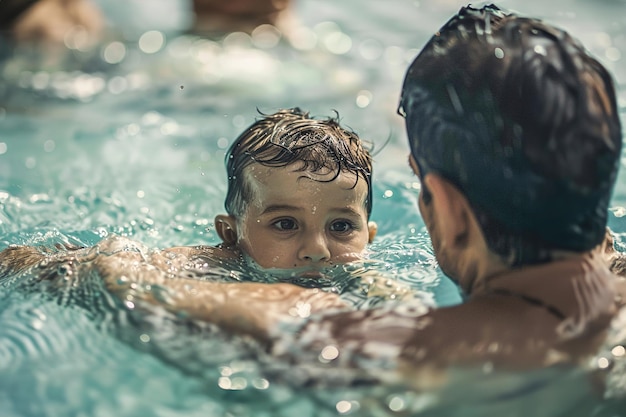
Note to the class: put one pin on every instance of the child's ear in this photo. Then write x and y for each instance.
(372, 228)
(226, 228)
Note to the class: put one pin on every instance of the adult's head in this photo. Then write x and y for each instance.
(516, 115)
(299, 192)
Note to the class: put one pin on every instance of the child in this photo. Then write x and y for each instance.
(299, 199)
(299, 193)
(299, 196)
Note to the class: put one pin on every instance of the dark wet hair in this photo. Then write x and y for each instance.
(290, 136)
(524, 122)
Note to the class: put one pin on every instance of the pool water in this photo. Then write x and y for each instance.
(130, 140)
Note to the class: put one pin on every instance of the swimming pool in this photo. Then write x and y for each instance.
(133, 144)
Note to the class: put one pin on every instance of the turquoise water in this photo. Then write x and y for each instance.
(133, 144)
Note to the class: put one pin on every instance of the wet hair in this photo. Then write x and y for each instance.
(517, 115)
(289, 136)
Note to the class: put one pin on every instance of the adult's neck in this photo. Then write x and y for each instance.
(494, 270)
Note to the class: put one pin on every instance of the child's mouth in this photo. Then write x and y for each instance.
(310, 279)
(311, 274)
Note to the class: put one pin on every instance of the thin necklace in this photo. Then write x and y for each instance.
(532, 300)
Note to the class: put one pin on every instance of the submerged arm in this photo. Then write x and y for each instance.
(16, 259)
(243, 307)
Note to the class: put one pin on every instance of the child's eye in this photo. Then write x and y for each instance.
(285, 224)
(342, 226)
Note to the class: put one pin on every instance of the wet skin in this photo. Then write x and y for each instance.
(301, 219)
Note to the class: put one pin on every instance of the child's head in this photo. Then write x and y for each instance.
(299, 192)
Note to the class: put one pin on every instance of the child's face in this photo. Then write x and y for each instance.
(295, 220)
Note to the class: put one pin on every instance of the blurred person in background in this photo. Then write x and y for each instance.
(49, 22)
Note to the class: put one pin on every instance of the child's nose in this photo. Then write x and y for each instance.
(314, 249)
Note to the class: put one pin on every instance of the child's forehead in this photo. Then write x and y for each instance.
(268, 175)
(290, 189)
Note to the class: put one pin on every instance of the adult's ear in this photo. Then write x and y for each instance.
(372, 229)
(451, 211)
(226, 228)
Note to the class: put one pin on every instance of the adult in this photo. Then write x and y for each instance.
(50, 22)
(515, 135)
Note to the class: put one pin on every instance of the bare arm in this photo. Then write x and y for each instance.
(131, 271)
(16, 259)
(255, 309)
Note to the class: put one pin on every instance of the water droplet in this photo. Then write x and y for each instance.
(261, 383)
(603, 363)
(224, 382)
(328, 354)
(114, 52)
(222, 143)
(618, 351)
(363, 99)
(396, 404)
(265, 36)
(371, 49)
(344, 407)
(36, 324)
(239, 383)
(151, 42)
(540, 49)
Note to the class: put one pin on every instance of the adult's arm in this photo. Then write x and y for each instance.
(157, 277)
(16, 259)
(134, 272)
